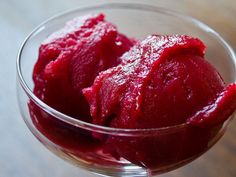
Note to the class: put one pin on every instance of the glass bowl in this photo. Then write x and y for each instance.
(112, 151)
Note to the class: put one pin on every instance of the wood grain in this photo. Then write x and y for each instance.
(21, 155)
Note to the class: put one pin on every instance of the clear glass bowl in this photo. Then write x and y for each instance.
(111, 151)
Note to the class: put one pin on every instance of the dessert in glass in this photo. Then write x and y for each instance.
(126, 89)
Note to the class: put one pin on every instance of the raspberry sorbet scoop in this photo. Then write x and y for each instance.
(68, 61)
(162, 81)
(72, 57)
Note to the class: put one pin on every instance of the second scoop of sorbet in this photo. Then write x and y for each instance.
(162, 81)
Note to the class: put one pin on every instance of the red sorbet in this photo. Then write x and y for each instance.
(162, 81)
(158, 82)
(68, 61)
(72, 57)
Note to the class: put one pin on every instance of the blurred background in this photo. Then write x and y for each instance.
(21, 155)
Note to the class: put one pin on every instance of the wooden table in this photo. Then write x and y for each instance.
(21, 155)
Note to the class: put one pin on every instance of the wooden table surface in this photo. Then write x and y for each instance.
(21, 155)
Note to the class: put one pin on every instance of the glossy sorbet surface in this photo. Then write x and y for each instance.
(162, 81)
(72, 57)
(90, 71)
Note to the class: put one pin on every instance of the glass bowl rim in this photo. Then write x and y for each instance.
(99, 128)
